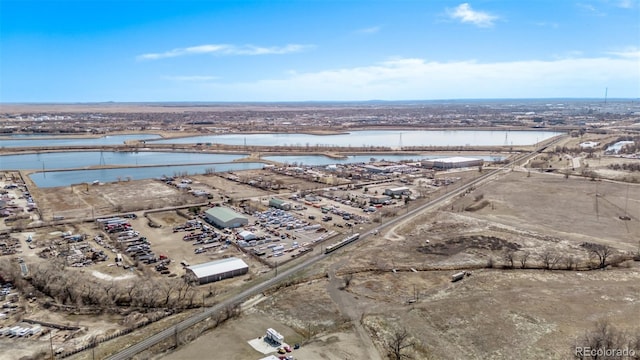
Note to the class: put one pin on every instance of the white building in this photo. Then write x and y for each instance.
(217, 270)
(452, 163)
(397, 191)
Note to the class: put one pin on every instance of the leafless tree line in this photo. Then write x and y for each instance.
(599, 256)
(71, 288)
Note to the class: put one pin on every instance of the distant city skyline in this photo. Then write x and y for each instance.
(291, 51)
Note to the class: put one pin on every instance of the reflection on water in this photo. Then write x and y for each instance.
(387, 138)
(79, 159)
(66, 178)
(52, 140)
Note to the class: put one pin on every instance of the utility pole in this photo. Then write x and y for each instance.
(175, 335)
(51, 343)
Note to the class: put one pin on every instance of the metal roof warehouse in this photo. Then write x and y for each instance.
(456, 162)
(217, 270)
(225, 218)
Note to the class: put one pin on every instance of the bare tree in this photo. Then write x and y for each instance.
(603, 252)
(509, 258)
(523, 260)
(398, 343)
(347, 281)
(167, 288)
(569, 262)
(602, 337)
(549, 260)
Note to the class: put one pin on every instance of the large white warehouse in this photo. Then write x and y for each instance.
(452, 162)
(217, 270)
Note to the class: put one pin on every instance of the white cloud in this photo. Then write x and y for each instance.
(552, 25)
(405, 79)
(369, 30)
(225, 49)
(191, 78)
(591, 9)
(627, 4)
(631, 53)
(466, 14)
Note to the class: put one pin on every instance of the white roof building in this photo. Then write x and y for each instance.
(247, 235)
(217, 270)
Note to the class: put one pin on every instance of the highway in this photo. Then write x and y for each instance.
(237, 299)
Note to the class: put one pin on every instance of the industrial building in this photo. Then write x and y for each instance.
(223, 217)
(452, 163)
(217, 270)
(397, 191)
(279, 204)
(379, 199)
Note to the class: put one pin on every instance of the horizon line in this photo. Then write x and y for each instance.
(303, 101)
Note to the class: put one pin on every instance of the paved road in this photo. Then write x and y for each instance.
(169, 332)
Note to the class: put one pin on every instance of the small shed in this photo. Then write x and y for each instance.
(247, 235)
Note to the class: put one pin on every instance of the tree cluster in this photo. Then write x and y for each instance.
(605, 341)
(75, 289)
(625, 166)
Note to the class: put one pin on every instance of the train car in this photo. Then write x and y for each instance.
(342, 243)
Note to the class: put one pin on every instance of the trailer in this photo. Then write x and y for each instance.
(458, 276)
(273, 337)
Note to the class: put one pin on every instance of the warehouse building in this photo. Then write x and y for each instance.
(379, 199)
(279, 204)
(223, 217)
(217, 270)
(453, 163)
(403, 190)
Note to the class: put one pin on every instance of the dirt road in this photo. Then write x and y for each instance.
(351, 308)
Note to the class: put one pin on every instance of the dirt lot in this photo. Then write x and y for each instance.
(86, 201)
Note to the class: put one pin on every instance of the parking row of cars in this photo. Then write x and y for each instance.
(131, 243)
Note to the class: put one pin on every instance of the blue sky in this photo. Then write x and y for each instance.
(342, 50)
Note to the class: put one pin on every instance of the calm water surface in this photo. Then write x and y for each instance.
(388, 138)
(53, 140)
(66, 178)
(78, 159)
